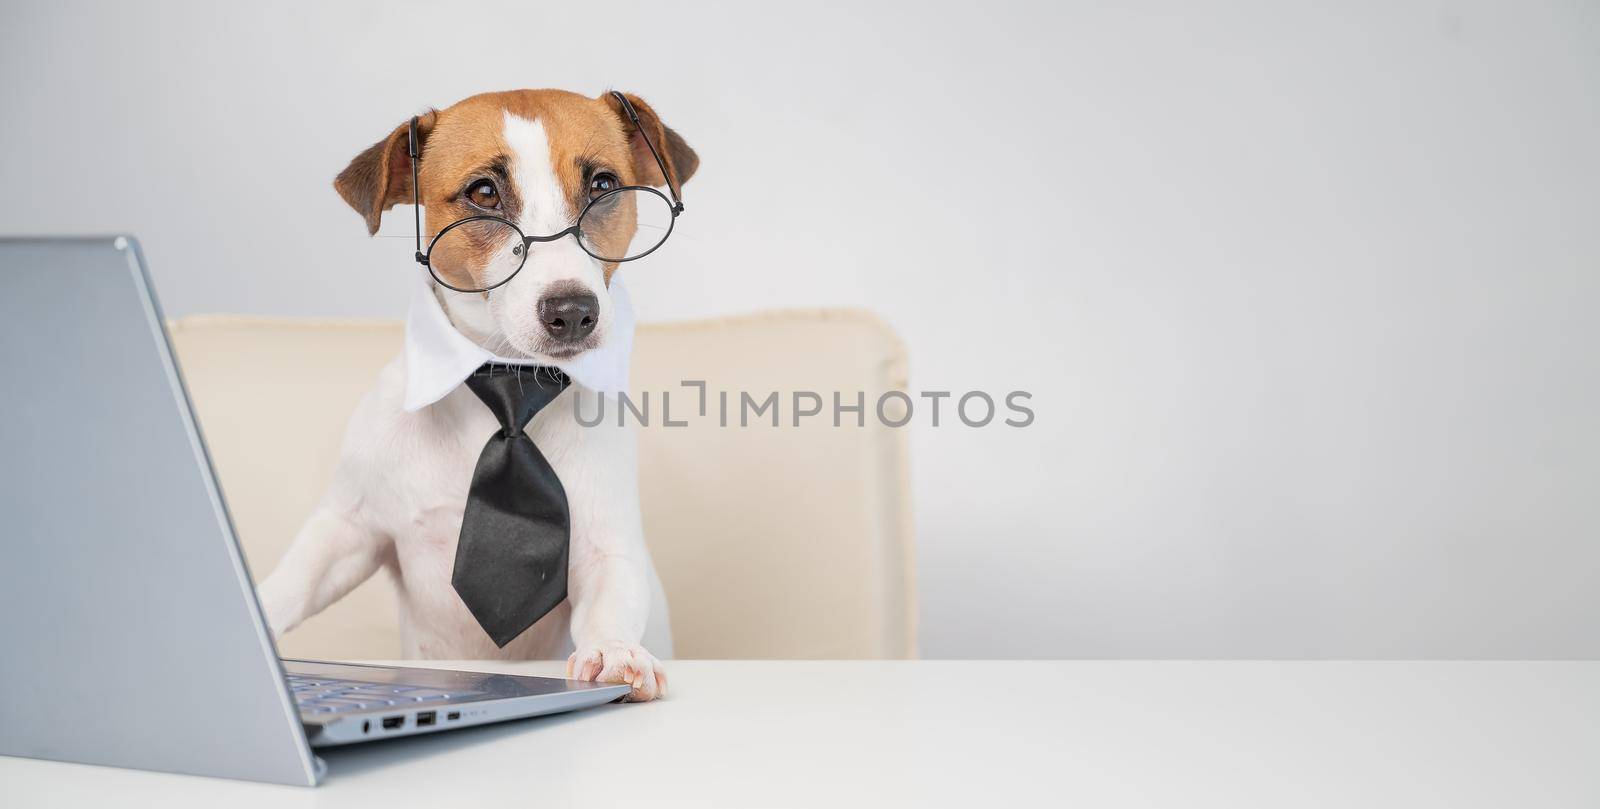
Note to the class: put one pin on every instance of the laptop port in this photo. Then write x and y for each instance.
(392, 722)
(453, 715)
(425, 719)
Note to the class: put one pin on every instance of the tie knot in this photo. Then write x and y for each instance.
(516, 393)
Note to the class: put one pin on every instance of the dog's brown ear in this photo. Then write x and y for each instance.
(680, 159)
(380, 177)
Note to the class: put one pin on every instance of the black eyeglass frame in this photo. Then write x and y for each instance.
(675, 204)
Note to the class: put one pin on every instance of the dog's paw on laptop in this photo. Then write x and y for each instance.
(618, 662)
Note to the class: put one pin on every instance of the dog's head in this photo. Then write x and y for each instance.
(535, 158)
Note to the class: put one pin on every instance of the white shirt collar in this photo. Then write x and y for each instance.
(439, 358)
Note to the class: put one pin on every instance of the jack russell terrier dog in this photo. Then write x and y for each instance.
(538, 159)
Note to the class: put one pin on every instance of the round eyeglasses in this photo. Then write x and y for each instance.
(623, 224)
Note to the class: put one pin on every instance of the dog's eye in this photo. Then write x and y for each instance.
(484, 195)
(603, 182)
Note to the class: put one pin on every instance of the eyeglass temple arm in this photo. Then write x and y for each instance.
(416, 191)
(677, 203)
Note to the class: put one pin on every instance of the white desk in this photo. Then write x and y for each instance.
(979, 733)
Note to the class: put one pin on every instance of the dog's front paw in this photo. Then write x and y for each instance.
(618, 662)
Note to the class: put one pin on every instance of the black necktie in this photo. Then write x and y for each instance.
(511, 562)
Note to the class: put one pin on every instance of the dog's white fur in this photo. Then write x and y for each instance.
(401, 484)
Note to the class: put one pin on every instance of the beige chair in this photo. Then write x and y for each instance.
(771, 542)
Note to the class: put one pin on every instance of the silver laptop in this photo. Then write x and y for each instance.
(130, 634)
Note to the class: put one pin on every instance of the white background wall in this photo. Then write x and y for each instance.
(1305, 292)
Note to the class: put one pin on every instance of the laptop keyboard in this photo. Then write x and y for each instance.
(320, 695)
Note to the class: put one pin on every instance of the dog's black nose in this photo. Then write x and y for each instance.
(569, 318)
